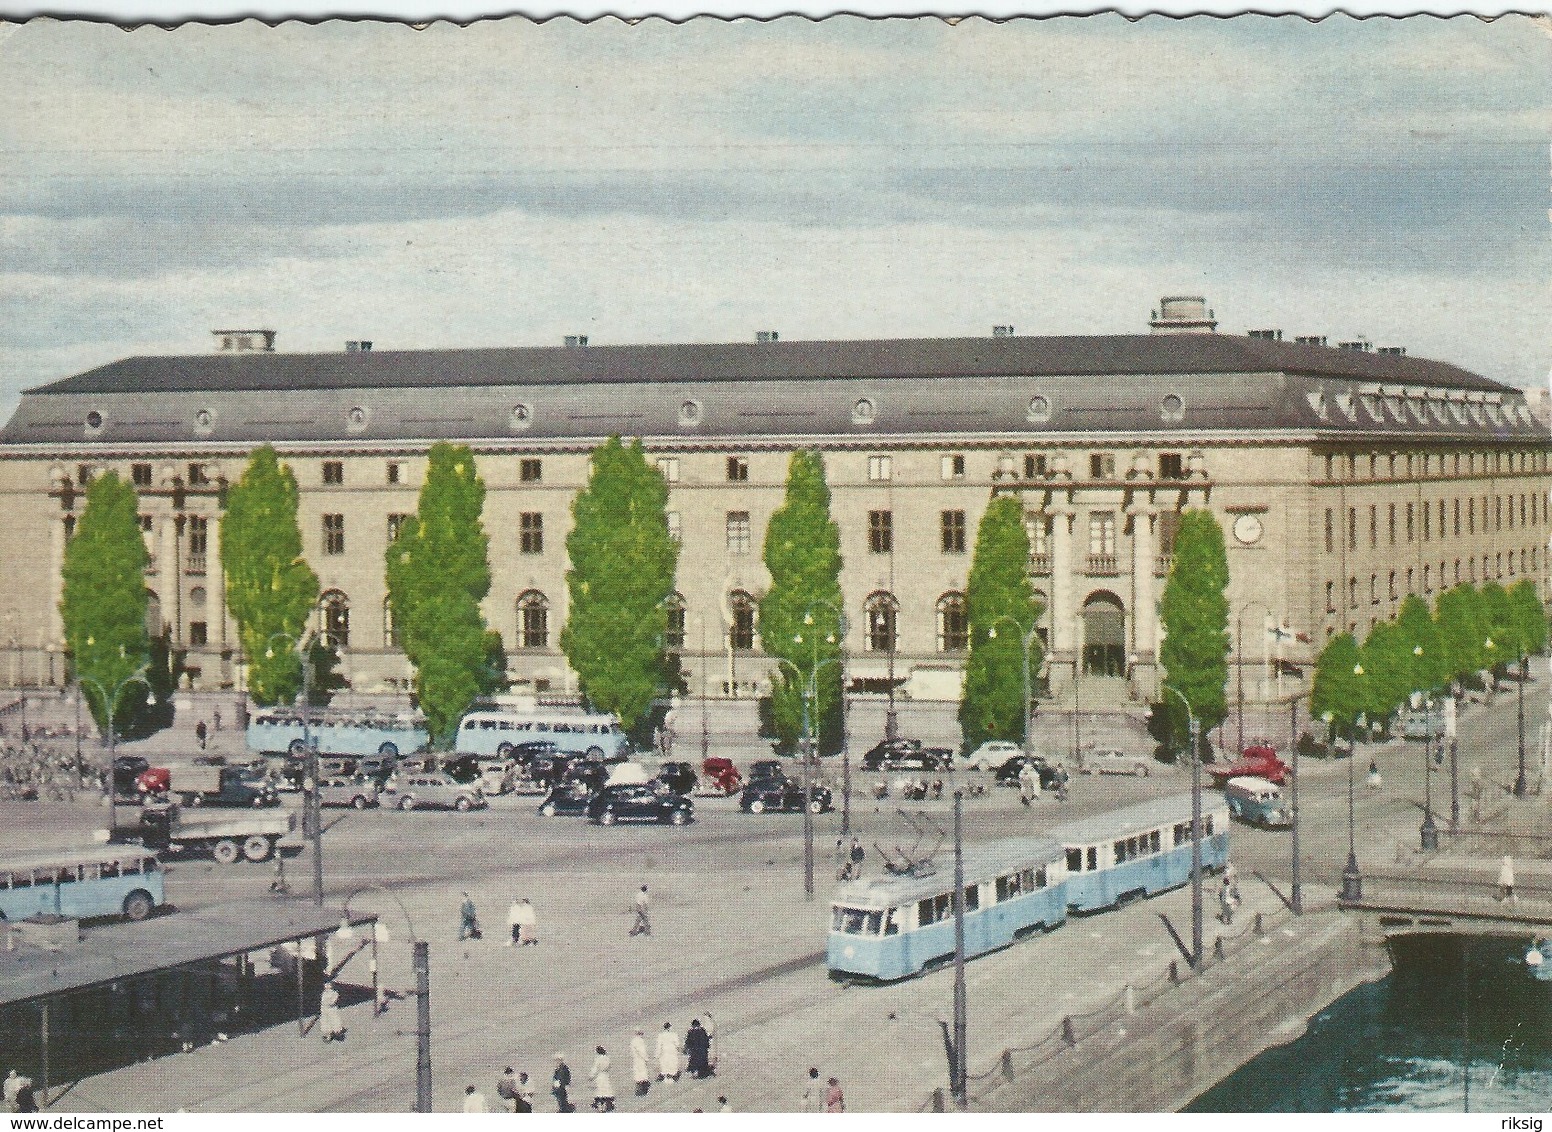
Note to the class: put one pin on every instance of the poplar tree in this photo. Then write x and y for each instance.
(1530, 618)
(1194, 616)
(800, 614)
(270, 588)
(623, 560)
(438, 572)
(1502, 626)
(1463, 630)
(1337, 690)
(1001, 609)
(103, 605)
(1429, 669)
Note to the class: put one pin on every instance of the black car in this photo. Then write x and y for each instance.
(639, 803)
(530, 750)
(462, 769)
(1050, 776)
(587, 772)
(677, 778)
(766, 768)
(782, 795)
(566, 801)
(906, 754)
(127, 768)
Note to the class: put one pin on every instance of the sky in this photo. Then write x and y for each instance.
(509, 183)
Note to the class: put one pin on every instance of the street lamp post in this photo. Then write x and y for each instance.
(420, 963)
(1195, 737)
(312, 816)
(961, 995)
(1028, 639)
(110, 705)
(1296, 893)
(1429, 832)
(810, 688)
(1520, 787)
(1352, 879)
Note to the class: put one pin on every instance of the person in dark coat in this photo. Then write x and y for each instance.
(26, 1101)
(697, 1048)
(560, 1085)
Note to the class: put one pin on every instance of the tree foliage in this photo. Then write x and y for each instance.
(1429, 669)
(1387, 681)
(800, 614)
(1502, 627)
(270, 588)
(1194, 616)
(103, 605)
(1530, 617)
(1337, 689)
(1463, 629)
(1002, 609)
(438, 573)
(623, 560)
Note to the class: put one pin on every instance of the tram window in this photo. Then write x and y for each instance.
(1120, 852)
(972, 897)
(91, 872)
(1093, 858)
(891, 925)
(1035, 878)
(1075, 860)
(1154, 841)
(1182, 833)
(1008, 887)
(1207, 826)
(933, 909)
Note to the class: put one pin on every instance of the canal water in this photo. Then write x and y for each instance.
(1406, 1043)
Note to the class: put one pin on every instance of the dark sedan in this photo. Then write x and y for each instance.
(677, 777)
(639, 803)
(569, 800)
(906, 754)
(766, 768)
(127, 768)
(782, 795)
(1050, 776)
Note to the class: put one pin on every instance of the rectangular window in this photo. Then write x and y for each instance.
(1034, 466)
(333, 472)
(395, 525)
(953, 532)
(530, 470)
(1101, 466)
(140, 474)
(197, 476)
(334, 534)
(1391, 523)
(668, 468)
(1471, 515)
(1374, 525)
(199, 534)
(1392, 585)
(531, 532)
(673, 525)
(737, 469)
(880, 469)
(1428, 523)
(1038, 528)
(1411, 517)
(1102, 532)
(393, 473)
(881, 532)
(145, 523)
(1352, 528)
(1330, 533)
(1171, 466)
(1330, 597)
(738, 532)
(198, 634)
(952, 467)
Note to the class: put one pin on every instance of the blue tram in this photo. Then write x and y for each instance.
(1139, 851)
(893, 927)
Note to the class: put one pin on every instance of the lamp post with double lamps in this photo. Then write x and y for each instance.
(110, 703)
(1028, 639)
(1428, 833)
(312, 817)
(1195, 736)
(420, 962)
(810, 687)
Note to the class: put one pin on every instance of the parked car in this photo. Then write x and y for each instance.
(463, 769)
(1255, 801)
(570, 800)
(1422, 724)
(1107, 760)
(497, 776)
(992, 753)
(377, 767)
(677, 777)
(782, 795)
(639, 803)
(1256, 761)
(719, 776)
(766, 768)
(126, 769)
(357, 793)
(1051, 775)
(431, 789)
(906, 754)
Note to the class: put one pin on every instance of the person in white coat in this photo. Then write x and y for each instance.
(639, 1071)
(474, 1100)
(603, 1086)
(668, 1053)
(330, 1020)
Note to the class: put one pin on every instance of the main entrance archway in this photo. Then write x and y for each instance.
(1104, 634)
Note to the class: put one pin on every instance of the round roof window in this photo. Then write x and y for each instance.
(522, 416)
(1040, 407)
(204, 421)
(689, 412)
(863, 411)
(1172, 407)
(94, 421)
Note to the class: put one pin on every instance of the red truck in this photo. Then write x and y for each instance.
(1258, 760)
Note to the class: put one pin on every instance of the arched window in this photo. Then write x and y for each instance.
(881, 612)
(533, 621)
(953, 623)
(393, 636)
(334, 619)
(741, 633)
(673, 633)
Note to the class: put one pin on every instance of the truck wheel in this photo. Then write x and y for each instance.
(256, 848)
(463, 804)
(1142, 771)
(406, 803)
(359, 802)
(226, 852)
(138, 905)
(388, 750)
(547, 810)
(757, 807)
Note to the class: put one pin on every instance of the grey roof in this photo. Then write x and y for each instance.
(121, 951)
(982, 862)
(88, 856)
(1144, 815)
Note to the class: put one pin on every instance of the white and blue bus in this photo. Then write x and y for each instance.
(279, 731)
(113, 880)
(1139, 851)
(498, 731)
(892, 927)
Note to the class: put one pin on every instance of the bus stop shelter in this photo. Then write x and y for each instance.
(128, 992)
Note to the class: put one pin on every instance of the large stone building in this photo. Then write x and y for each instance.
(1345, 478)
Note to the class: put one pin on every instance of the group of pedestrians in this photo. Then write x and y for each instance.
(827, 1097)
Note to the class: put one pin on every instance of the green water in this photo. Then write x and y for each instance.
(1405, 1044)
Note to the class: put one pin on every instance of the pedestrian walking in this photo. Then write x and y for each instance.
(834, 1099)
(1506, 879)
(603, 1086)
(1475, 790)
(1231, 878)
(1374, 780)
(697, 1049)
(514, 921)
(468, 919)
(560, 1085)
(13, 1084)
(474, 1100)
(279, 884)
(1226, 902)
(330, 1020)
(201, 733)
(525, 1095)
(527, 923)
(639, 1071)
(714, 1055)
(643, 922)
(506, 1087)
(1029, 783)
(723, 1106)
(215, 719)
(668, 1053)
(813, 1092)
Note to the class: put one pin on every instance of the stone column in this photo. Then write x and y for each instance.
(1144, 617)
(56, 623)
(167, 575)
(1063, 567)
(215, 582)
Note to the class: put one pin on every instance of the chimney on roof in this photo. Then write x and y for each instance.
(1311, 339)
(1002, 332)
(575, 341)
(1267, 335)
(358, 347)
(766, 336)
(244, 341)
(1359, 345)
(1393, 351)
(1183, 314)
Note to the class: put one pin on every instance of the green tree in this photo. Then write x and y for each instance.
(1001, 609)
(1388, 664)
(1503, 627)
(800, 613)
(1338, 690)
(270, 588)
(103, 605)
(1530, 617)
(623, 560)
(1463, 629)
(1194, 617)
(438, 573)
(1427, 670)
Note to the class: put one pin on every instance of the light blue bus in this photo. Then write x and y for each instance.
(892, 927)
(499, 731)
(1139, 851)
(279, 731)
(113, 880)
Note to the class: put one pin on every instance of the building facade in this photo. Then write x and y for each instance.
(1344, 478)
